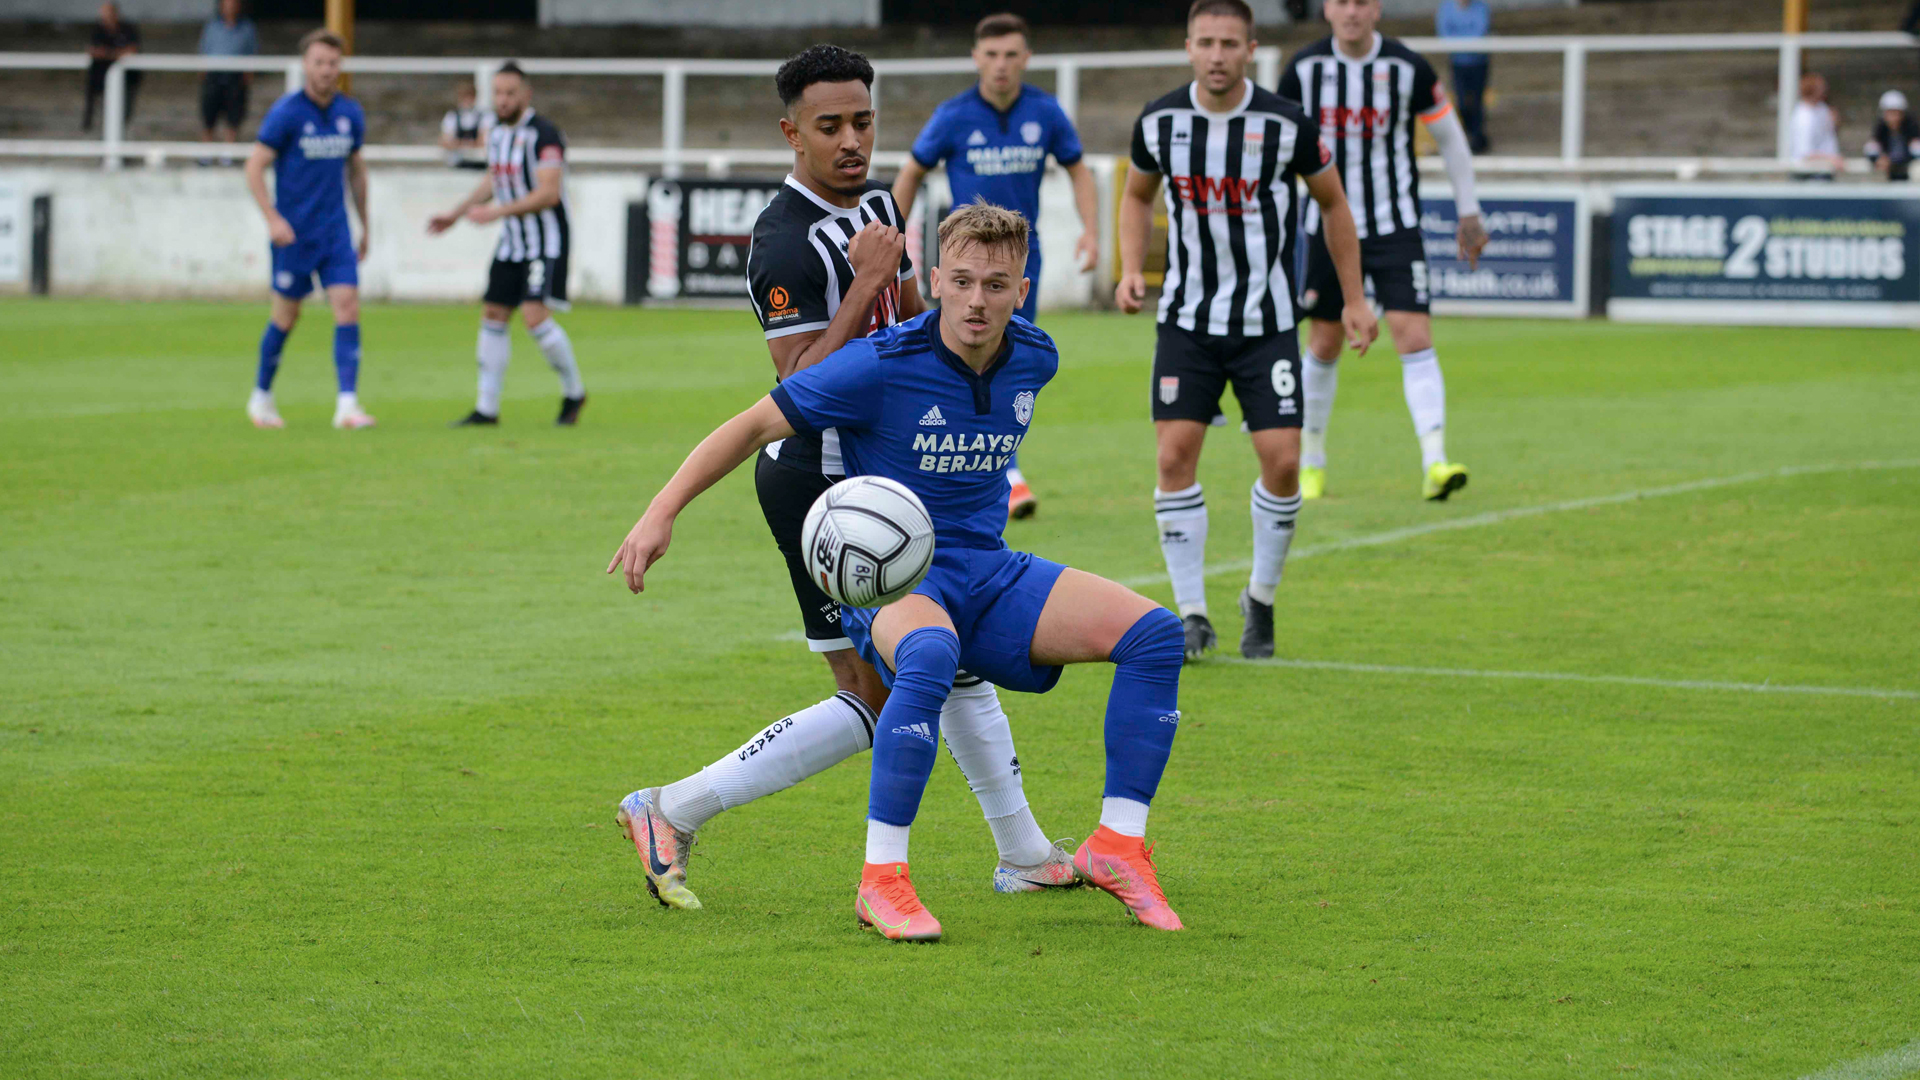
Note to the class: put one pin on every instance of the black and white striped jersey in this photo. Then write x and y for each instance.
(1365, 109)
(514, 152)
(797, 275)
(1230, 206)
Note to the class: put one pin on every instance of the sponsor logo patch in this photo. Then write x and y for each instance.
(780, 306)
(918, 731)
(976, 139)
(933, 418)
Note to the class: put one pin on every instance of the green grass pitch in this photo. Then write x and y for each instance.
(310, 740)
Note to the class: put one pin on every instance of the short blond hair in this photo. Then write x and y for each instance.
(989, 226)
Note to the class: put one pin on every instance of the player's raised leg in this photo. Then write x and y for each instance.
(1088, 619)
(345, 301)
(260, 407)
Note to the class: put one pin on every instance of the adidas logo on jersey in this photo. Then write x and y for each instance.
(976, 139)
(933, 418)
(918, 731)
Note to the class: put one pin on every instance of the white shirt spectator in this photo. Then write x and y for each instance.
(1813, 137)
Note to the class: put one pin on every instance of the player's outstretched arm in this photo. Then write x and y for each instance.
(1343, 243)
(277, 228)
(1136, 220)
(1457, 154)
(481, 193)
(545, 194)
(717, 455)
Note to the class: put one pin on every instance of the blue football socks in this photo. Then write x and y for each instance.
(346, 357)
(1143, 708)
(271, 343)
(908, 735)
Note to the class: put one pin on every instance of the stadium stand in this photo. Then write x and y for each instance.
(1632, 105)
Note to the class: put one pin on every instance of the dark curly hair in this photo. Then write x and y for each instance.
(818, 64)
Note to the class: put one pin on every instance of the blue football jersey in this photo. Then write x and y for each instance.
(1000, 156)
(312, 143)
(910, 410)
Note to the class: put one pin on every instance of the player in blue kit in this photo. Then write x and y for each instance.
(1008, 616)
(995, 139)
(312, 138)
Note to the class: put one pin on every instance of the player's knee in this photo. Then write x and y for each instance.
(1155, 641)
(346, 310)
(926, 660)
(1177, 465)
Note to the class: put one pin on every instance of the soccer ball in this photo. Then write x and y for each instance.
(868, 541)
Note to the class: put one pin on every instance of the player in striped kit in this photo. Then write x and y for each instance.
(1364, 89)
(1229, 152)
(526, 164)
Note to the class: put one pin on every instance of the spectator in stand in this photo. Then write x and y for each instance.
(1813, 143)
(1896, 138)
(463, 131)
(1468, 19)
(113, 38)
(223, 94)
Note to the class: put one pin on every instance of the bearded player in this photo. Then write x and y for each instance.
(1011, 617)
(1364, 89)
(827, 265)
(1229, 151)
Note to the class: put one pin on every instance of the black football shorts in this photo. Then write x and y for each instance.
(1191, 371)
(786, 494)
(1396, 264)
(536, 281)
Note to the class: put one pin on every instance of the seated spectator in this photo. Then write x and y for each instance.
(463, 131)
(1470, 19)
(1896, 138)
(1813, 144)
(223, 94)
(113, 38)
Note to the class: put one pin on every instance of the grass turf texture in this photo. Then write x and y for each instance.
(311, 739)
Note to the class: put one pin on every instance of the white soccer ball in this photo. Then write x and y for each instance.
(868, 541)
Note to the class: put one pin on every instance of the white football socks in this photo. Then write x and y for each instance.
(1124, 816)
(493, 352)
(1322, 380)
(1182, 517)
(1427, 402)
(1015, 478)
(886, 843)
(1273, 519)
(804, 744)
(558, 349)
(981, 742)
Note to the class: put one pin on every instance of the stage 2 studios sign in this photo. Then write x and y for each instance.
(696, 236)
(1535, 262)
(1767, 254)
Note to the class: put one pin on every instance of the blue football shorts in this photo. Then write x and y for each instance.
(994, 599)
(295, 265)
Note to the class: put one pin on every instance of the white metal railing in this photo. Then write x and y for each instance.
(673, 154)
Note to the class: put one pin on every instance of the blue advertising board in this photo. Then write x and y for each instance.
(1535, 263)
(1767, 254)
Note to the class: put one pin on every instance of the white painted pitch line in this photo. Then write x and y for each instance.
(1394, 536)
(1561, 676)
(1902, 1061)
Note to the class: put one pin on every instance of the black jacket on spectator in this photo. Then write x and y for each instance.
(1896, 146)
(119, 37)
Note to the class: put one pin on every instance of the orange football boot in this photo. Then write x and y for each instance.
(887, 903)
(1123, 866)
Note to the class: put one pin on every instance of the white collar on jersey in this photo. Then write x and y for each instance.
(841, 211)
(1372, 54)
(1246, 99)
